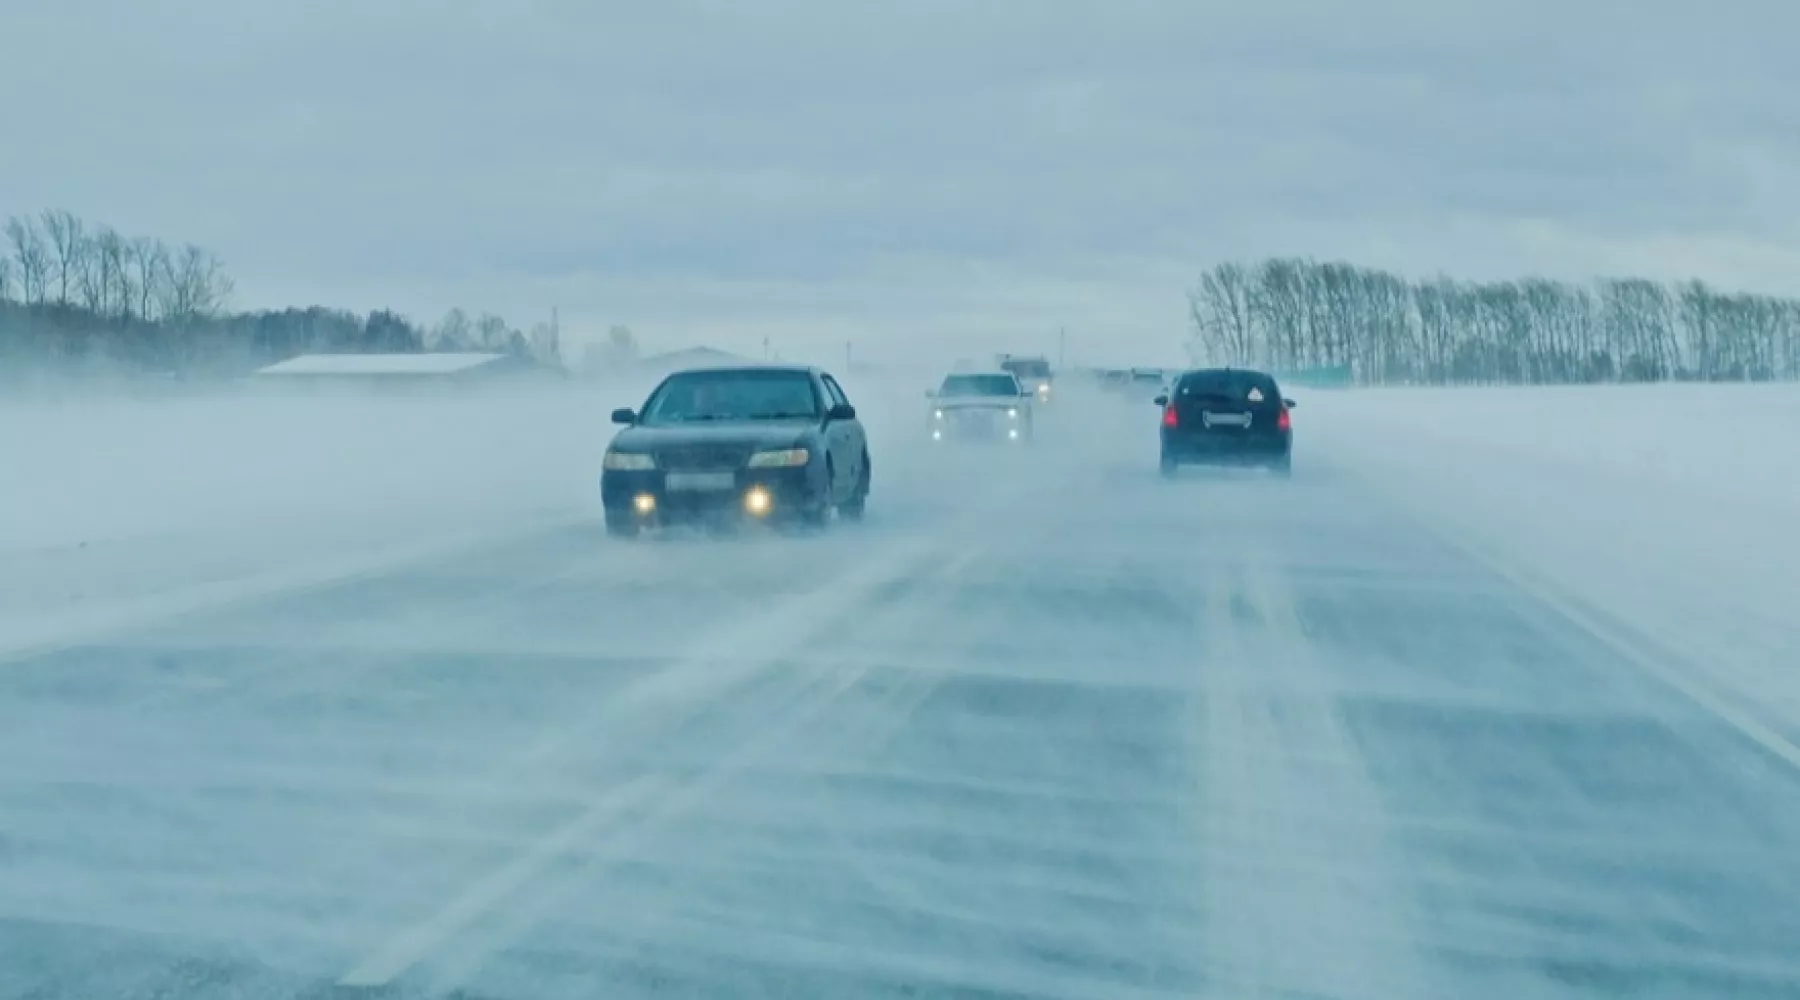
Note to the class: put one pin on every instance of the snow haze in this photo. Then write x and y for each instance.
(315, 692)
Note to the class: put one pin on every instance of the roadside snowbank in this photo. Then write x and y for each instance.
(1674, 510)
(114, 505)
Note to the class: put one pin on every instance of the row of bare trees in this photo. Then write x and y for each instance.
(58, 259)
(1291, 314)
(75, 295)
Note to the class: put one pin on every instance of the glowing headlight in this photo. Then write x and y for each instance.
(758, 501)
(644, 503)
(1043, 388)
(785, 459)
(1013, 413)
(621, 461)
(939, 414)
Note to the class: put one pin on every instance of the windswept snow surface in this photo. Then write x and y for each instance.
(1492, 700)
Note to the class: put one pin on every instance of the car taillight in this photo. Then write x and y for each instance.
(1169, 416)
(1284, 422)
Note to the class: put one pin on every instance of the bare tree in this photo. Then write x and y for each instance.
(32, 256)
(453, 333)
(68, 240)
(6, 279)
(492, 333)
(1221, 313)
(147, 268)
(194, 286)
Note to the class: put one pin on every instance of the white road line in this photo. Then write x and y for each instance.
(693, 682)
(1631, 648)
(413, 944)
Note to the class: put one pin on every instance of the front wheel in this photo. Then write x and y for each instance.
(853, 508)
(1168, 466)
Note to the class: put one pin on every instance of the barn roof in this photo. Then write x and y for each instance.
(381, 364)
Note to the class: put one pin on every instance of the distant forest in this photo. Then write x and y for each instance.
(1289, 314)
(76, 297)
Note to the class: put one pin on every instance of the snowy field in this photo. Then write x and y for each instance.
(1495, 699)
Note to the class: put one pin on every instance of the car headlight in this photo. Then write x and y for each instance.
(1013, 413)
(784, 459)
(938, 414)
(626, 461)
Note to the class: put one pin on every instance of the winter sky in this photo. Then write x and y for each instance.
(961, 173)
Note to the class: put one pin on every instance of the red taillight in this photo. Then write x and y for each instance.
(1284, 422)
(1169, 416)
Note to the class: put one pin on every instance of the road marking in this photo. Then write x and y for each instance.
(1654, 660)
(640, 806)
(413, 944)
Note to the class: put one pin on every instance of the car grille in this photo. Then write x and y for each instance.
(707, 458)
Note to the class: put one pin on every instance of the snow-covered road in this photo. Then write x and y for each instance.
(1048, 728)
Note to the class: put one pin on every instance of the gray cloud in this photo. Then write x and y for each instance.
(948, 167)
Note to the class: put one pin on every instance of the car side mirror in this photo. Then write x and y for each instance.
(842, 411)
(624, 416)
(1161, 401)
(1290, 404)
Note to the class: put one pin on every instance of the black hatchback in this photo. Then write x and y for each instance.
(1226, 416)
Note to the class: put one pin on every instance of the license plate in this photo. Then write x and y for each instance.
(1225, 419)
(700, 481)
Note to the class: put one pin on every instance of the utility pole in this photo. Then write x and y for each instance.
(765, 348)
(1062, 342)
(846, 356)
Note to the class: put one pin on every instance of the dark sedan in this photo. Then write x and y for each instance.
(763, 443)
(1226, 416)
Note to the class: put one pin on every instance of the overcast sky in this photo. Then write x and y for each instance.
(962, 174)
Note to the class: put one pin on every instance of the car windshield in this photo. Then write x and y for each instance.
(979, 385)
(1029, 369)
(693, 397)
(1230, 384)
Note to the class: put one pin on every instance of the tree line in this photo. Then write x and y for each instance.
(1289, 314)
(77, 296)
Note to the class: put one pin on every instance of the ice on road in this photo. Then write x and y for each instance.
(1048, 727)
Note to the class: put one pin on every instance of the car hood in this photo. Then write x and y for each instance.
(755, 433)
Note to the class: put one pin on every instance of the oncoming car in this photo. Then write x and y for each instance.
(760, 443)
(985, 406)
(1226, 416)
(1033, 373)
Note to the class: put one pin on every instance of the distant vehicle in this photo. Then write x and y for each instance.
(1032, 371)
(1226, 416)
(768, 443)
(987, 406)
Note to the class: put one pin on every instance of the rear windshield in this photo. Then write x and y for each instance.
(1028, 369)
(1251, 387)
(691, 397)
(979, 385)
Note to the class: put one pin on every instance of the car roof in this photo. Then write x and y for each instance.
(791, 369)
(1252, 372)
(992, 374)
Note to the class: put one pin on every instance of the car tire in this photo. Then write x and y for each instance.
(1283, 466)
(853, 508)
(1168, 466)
